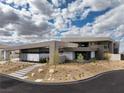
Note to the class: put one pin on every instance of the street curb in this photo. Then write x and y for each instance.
(63, 83)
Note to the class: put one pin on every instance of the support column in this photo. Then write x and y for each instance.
(53, 49)
(92, 54)
(112, 47)
(6, 55)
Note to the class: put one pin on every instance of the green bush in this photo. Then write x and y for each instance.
(56, 58)
(43, 60)
(80, 58)
(107, 56)
(93, 60)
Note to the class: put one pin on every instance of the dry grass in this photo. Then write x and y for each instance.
(11, 67)
(73, 71)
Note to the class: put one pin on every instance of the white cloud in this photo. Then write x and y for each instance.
(23, 24)
(55, 2)
(73, 32)
(109, 24)
(41, 6)
(58, 3)
(33, 26)
(112, 22)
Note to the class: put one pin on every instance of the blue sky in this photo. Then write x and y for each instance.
(27, 21)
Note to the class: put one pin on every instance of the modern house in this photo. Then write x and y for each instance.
(37, 51)
(93, 47)
(69, 48)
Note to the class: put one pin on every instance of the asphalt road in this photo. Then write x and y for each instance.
(110, 82)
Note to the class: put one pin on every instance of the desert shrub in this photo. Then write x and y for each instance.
(43, 60)
(107, 56)
(9, 57)
(93, 60)
(56, 58)
(80, 75)
(80, 58)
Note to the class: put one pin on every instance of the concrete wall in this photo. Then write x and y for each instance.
(115, 57)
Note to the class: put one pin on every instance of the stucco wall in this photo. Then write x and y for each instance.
(115, 57)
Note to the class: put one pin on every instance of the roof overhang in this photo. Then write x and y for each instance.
(3, 46)
(59, 44)
(86, 39)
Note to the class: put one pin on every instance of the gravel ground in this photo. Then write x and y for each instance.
(72, 71)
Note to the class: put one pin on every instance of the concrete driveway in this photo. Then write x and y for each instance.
(110, 82)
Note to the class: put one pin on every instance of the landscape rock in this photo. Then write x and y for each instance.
(51, 71)
(40, 70)
(32, 74)
(38, 80)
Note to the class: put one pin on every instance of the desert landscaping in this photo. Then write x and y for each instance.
(65, 72)
(72, 71)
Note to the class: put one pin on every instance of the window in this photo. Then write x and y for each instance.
(105, 46)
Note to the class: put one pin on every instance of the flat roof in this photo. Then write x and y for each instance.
(65, 42)
(3, 46)
(42, 44)
(86, 39)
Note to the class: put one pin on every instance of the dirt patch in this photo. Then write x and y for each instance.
(72, 71)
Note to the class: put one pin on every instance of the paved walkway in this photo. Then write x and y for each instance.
(23, 72)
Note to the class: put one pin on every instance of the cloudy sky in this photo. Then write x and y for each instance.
(27, 21)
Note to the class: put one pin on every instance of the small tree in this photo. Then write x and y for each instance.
(107, 56)
(93, 60)
(56, 58)
(80, 58)
(9, 57)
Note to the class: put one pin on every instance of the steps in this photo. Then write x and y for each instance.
(23, 72)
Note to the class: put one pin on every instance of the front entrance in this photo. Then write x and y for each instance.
(87, 55)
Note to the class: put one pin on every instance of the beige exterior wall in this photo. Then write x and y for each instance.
(115, 57)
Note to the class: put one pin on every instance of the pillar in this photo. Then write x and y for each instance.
(6, 55)
(112, 47)
(52, 50)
